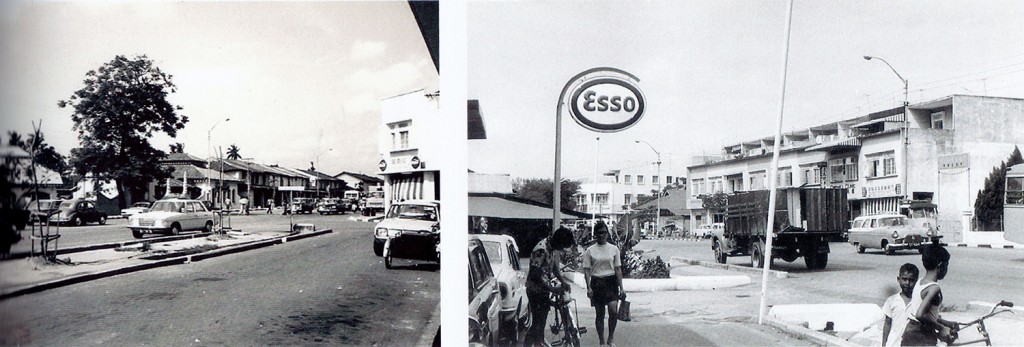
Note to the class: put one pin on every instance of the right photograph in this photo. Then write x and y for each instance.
(735, 173)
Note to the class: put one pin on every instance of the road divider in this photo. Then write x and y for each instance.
(732, 267)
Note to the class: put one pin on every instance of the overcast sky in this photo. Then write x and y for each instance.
(711, 70)
(296, 78)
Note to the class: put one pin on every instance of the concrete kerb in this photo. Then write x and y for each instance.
(158, 263)
(801, 332)
(634, 285)
(99, 246)
(776, 273)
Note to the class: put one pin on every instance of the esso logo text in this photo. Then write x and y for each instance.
(607, 104)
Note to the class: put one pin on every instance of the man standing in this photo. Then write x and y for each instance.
(270, 206)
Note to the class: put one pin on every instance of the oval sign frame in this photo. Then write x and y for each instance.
(588, 123)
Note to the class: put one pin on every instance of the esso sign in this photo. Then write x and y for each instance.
(607, 104)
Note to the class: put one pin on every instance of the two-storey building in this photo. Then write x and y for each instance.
(617, 190)
(882, 158)
(410, 125)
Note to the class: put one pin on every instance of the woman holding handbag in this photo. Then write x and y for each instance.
(602, 267)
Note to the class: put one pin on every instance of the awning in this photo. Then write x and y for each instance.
(892, 118)
(849, 143)
(498, 207)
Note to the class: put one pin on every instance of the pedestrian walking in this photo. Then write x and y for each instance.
(895, 308)
(545, 266)
(244, 204)
(270, 206)
(602, 268)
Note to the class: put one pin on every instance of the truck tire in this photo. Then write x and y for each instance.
(816, 261)
(720, 255)
(757, 255)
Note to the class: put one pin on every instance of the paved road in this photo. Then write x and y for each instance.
(328, 289)
(975, 274)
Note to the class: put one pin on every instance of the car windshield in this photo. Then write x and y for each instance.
(419, 212)
(141, 204)
(67, 204)
(44, 204)
(493, 251)
(167, 206)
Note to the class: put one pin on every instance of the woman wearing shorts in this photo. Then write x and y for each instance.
(602, 267)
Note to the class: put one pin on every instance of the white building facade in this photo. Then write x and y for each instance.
(410, 125)
(944, 156)
(615, 191)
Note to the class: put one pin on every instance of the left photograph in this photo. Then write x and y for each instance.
(227, 173)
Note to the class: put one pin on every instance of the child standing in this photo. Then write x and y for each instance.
(926, 326)
(895, 308)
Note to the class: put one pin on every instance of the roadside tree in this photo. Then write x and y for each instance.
(122, 105)
(233, 153)
(988, 207)
(539, 189)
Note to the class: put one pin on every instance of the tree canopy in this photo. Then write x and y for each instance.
(120, 107)
(988, 207)
(233, 153)
(539, 189)
(44, 154)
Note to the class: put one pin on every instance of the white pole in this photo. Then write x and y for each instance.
(767, 252)
(593, 196)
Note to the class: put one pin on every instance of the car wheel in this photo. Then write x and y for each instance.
(209, 226)
(756, 258)
(77, 221)
(889, 250)
(860, 249)
(720, 255)
(136, 233)
(175, 229)
(387, 262)
(103, 220)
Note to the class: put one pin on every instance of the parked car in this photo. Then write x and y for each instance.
(303, 205)
(172, 216)
(329, 206)
(138, 207)
(503, 253)
(42, 209)
(484, 300)
(410, 230)
(889, 232)
(706, 230)
(77, 212)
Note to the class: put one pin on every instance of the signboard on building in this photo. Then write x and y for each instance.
(887, 190)
(954, 161)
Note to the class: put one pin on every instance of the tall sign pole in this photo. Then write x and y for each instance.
(602, 99)
(773, 177)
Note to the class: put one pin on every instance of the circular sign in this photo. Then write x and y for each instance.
(383, 165)
(606, 103)
(415, 161)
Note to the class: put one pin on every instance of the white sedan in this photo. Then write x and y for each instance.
(172, 216)
(503, 253)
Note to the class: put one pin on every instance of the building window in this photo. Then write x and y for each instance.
(812, 175)
(628, 199)
(881, 165)
(639, 180)
(404, 136)
(629, 179)
(668, 179)
(654, 180)
(938, 120)
(851, 169)
(1015, 190)
(785, 177)
(837, 170)
(757, 180)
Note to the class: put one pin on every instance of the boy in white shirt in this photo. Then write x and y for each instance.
(895, 307)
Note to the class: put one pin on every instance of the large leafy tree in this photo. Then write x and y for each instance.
(45, 155)
(539, 189)
(988, 207)
(122, 105)
(233, 153)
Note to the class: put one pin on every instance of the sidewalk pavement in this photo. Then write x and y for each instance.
(28, 275)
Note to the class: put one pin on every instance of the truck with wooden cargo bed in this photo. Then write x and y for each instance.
(806, 220)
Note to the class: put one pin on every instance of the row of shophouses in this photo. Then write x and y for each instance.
(940, 151)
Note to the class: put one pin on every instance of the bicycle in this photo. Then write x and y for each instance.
(565, 321)
(980, 322)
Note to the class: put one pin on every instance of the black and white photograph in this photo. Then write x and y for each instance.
(741, 173)
(220, 173)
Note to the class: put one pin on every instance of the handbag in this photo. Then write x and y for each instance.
(623, 314)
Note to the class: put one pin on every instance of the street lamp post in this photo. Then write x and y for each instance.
(657, 215)
(318, 180)
(209, 154)
(906, 121)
